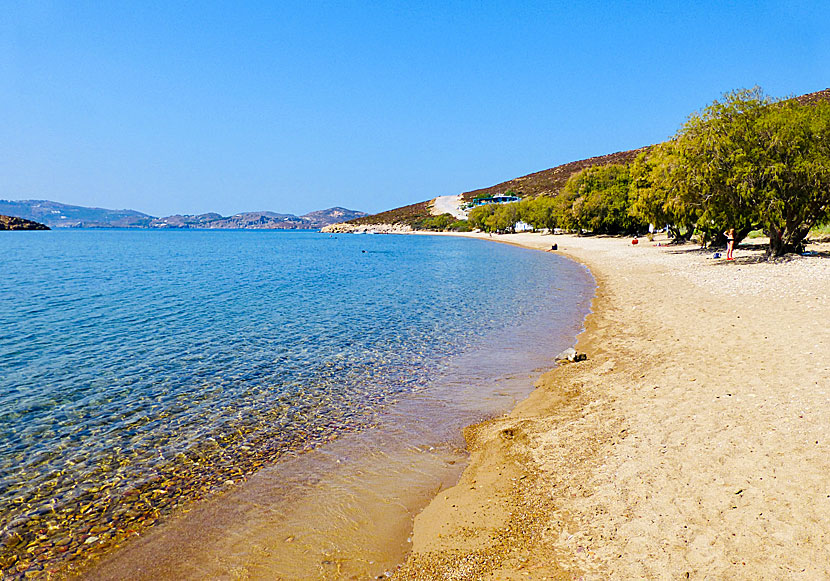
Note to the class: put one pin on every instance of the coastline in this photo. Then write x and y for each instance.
(689, 444)
(312, 514)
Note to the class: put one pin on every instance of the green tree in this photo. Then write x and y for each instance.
(478, 216)
(538, 212)
(596, 200)
(747, 161)
(503, 218)
(657, 196)
(441, 222)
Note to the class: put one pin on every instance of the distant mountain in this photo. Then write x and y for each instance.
(332, 216)
(59, 215)
(260, 220)
(15, 223)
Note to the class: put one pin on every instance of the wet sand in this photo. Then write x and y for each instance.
(345, 510)
(692, 444)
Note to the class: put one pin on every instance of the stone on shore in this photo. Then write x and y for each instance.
(571, 355)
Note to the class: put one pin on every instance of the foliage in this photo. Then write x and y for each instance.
(748, 161)
(656, 193)
(495, 217)
(549, 182)
(744, 162)
(477, 218)
(539, 212)
(503, 218)
(440, 223)
(596, 200)
(821, 230)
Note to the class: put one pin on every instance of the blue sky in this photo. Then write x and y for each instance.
(189, 107)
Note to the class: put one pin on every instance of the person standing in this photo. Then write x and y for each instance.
(730, 242)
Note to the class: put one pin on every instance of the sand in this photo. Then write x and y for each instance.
(692, 444)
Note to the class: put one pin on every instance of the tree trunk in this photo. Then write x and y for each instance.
(776, 241)
(783, 242)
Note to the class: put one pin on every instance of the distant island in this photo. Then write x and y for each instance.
(15, 223)
(57, 215)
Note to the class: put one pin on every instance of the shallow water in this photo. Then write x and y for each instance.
(144, 370)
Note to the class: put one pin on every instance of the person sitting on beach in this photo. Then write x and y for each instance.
(730, 242)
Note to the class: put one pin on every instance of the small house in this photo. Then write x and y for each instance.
(496, 199)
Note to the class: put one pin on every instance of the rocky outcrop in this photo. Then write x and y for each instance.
(14, 223)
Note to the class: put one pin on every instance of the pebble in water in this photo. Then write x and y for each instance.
(102, 516)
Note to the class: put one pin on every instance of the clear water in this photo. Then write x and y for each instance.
(140, 370)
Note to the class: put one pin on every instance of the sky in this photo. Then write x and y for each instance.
(190, 107)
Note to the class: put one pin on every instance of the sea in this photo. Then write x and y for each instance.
(143, 372)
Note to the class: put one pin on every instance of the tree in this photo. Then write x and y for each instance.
(794, 188)
(657, 196)
(441, 222)
(596, 199)
(747, 161)
(538, 212)
(478, 216)
(503, 218)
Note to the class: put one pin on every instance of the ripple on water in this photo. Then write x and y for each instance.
(138, 379)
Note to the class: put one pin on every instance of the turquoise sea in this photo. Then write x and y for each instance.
(140, 370)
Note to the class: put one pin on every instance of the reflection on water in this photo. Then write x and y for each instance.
(144, 370)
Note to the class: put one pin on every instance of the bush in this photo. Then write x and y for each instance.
(439, 223)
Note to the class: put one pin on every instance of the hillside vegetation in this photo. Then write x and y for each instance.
(550, 182)
(582, 196)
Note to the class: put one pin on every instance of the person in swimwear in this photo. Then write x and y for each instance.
(730, 242)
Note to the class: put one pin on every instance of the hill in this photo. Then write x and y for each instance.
(57, 215)
(259, 220)
(547, 182)
(550, 181)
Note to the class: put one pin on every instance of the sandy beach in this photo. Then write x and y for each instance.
(691, 444)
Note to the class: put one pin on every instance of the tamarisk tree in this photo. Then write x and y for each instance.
(747, 161)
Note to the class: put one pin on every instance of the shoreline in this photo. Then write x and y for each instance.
(679, 449)
(332, 525)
